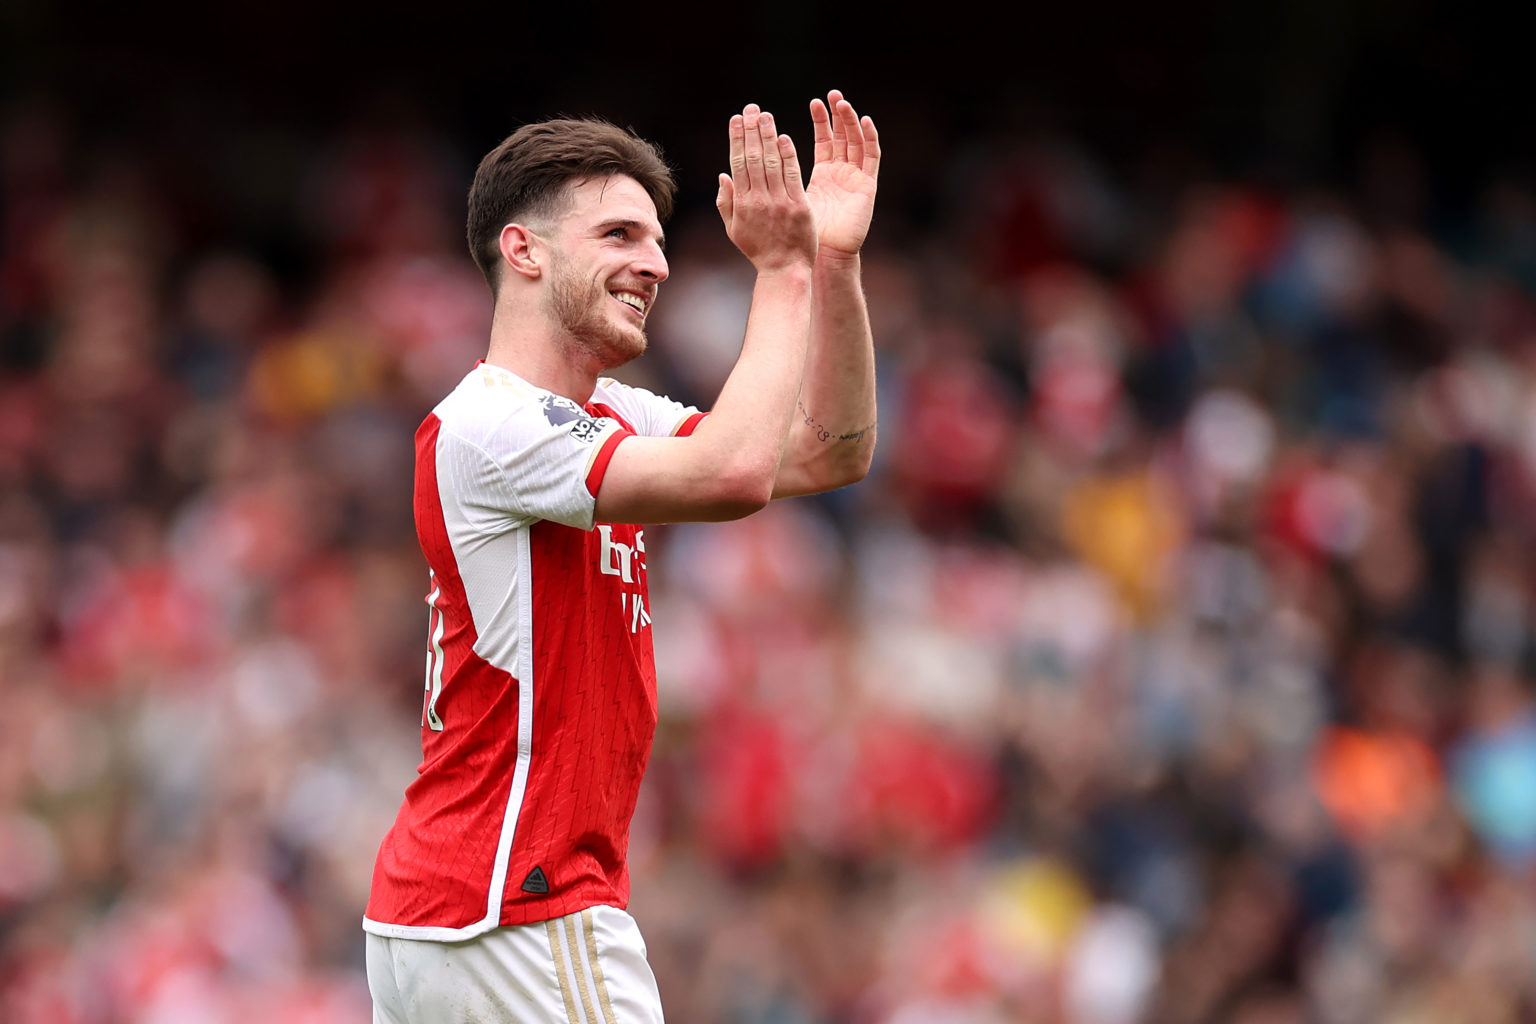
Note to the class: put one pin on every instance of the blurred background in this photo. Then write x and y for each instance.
(1173, 666)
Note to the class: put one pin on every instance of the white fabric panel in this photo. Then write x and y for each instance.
(650, 414)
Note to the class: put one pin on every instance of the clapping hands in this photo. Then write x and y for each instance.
(843, 179)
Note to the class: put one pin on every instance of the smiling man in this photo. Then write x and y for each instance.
(500, 892)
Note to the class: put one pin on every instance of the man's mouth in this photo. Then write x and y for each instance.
(636, 302)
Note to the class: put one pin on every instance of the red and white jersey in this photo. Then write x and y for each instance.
(540, 697)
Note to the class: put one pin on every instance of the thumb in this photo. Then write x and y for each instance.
(725, 198)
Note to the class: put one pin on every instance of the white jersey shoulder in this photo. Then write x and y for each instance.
(650, 414)
(509, 453)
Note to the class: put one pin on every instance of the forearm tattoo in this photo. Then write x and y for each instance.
(823, 434)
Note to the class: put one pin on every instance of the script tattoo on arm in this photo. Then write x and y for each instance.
(823, 434)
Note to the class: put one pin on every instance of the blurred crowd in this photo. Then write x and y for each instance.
(1173, 666)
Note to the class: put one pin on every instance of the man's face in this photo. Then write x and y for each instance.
(605, 266)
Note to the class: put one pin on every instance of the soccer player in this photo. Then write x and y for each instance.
(499, 893)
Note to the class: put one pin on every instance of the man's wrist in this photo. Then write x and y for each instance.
(792, 271)
(833, 260)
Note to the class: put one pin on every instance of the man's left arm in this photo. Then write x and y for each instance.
(832, 435)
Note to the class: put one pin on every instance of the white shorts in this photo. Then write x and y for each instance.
(585, 968)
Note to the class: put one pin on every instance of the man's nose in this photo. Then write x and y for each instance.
(652, 263)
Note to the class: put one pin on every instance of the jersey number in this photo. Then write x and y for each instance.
(434, 686)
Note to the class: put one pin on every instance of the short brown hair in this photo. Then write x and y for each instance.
(529, 173)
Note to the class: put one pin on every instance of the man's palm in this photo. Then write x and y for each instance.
(843, 181)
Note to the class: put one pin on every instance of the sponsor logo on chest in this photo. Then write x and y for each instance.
(616, 558)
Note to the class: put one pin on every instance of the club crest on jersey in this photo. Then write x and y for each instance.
(559, 411)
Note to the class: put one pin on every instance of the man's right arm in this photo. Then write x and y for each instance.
(726, 468)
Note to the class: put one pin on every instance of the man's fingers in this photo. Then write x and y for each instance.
(738, 133)
(725, 200)
(793, 183)
(773, 164)
(821, 130)
(839, 130)
(871, 148)
(754, 151)
(853, 135)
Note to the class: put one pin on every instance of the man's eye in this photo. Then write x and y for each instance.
(618, 233)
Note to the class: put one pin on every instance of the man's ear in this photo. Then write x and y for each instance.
(521, 250)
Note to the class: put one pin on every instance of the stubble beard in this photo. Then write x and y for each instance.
(580, 311)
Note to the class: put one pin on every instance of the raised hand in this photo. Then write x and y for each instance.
(763, 201)
(843, 179)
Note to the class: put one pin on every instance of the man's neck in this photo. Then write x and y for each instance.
(532, 352)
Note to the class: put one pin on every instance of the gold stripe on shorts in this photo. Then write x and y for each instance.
(597, 968)
(553, 927)
(581, 982)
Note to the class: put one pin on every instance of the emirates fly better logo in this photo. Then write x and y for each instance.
(627, 563)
